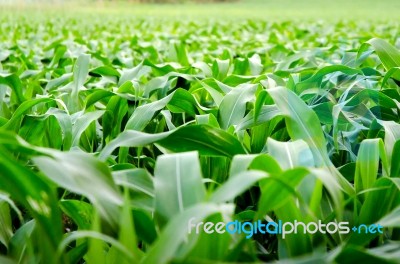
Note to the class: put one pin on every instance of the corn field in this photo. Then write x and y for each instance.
(151, 140)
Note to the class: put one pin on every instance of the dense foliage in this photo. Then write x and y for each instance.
(114, 133)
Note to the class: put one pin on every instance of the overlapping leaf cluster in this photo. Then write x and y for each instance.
(114, 133)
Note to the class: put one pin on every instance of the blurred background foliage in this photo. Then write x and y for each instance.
(231, 10)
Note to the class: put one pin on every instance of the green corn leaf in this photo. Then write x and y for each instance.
(178, 183)
(205, 139)
(388, 54)
(81, 124)
(291, 154)
(6, 231)
(143, 114)
(164, 248)
(303, 123)
(15, 84)
(79, 211)
(80, 73)
(233, 105)
(35, 194)
(368, 162)
(22, 109)
(86, 177)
